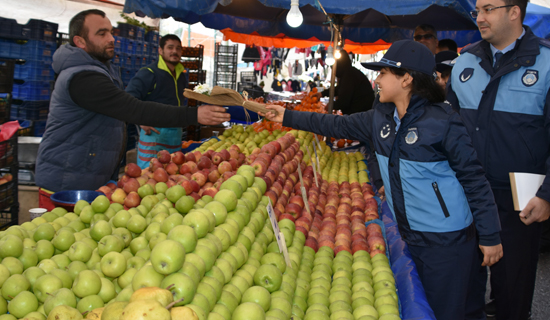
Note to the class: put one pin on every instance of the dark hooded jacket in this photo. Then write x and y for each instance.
(354, 90)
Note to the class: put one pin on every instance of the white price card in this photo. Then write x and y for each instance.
(318, 143)
(272, 218)
(317, 158)
(282, 248)
(304, 197)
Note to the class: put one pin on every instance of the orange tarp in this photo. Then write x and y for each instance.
(282, 41)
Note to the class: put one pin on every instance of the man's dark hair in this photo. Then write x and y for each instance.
(423, 85)
(447, 44)
(427, 28)
(167, 37)
(76, 26)
(522, 4)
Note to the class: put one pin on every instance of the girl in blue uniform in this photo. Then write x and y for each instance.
(435, 186)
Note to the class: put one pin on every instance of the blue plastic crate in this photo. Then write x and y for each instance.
(127, 61)
(129, 46)
(39, 127)
(140, 33)
(126, 74)
(32, 90)
(118, 43)
(30, 50)
(42, 30)
(10, 29)
(153, 50)
(117, 59)
(145, 48)
(126, 31)
(33, 70)
(139, 47)
(29, 110)
(152, 37)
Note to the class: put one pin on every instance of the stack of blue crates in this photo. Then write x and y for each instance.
(134, 49)
(33, 46)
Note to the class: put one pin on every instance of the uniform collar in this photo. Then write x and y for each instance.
(508, 48)
(389, 108)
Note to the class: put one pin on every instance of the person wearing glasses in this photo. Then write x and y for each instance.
(426, 35)
(501, 87)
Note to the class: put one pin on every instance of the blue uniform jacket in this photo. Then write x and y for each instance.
(435, 186)
(506, 112)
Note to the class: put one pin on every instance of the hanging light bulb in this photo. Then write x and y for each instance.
(337, 53)
(330, 57)
(294, 17)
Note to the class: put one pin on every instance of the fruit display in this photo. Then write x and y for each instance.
(5, 178)
(190, 237)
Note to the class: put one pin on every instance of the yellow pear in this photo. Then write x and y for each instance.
(145, 310)
(113, 310)
(163, 296)
(95, 314)
(183, 313)
(64, 313)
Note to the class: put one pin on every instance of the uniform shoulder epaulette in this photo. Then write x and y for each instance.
(544, 42)
(469, 47)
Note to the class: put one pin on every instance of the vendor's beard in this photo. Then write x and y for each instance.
(100, 54)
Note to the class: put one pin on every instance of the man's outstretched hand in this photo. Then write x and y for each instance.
(212, 115)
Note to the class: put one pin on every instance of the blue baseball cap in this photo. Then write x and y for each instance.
(406, 54)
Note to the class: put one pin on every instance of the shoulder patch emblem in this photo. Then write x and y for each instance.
(412, 136)
(466, 74)
(530, 77)
(385, 132)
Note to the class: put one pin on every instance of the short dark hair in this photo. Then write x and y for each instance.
(522, 4)
(423, 85)
(167, 37)
(450, 44)
(427, 28)
(76, 26)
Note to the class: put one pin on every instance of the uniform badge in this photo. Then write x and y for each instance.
(385, 132)
(412, 136)
(530, 77)
(466, 74)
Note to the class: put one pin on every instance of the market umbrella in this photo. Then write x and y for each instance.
(365, 21)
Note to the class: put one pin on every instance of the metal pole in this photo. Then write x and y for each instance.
(188, 35)
(333, 75)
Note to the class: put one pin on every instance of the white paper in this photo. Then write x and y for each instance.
(524, 187)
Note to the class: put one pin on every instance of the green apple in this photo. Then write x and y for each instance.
(192, 271)
(135, 262)
(31, 274)
(229, 300)
(198, 221)
(268, 276)
(110, 243)
(121, 218)
(23, 304)
(223, 236)
(76, 267)
(11, 246)
(146, 277)
(113, 310)
(63, 240)
(113, 264)
(202, 302)
(287, 224)
(138, 243)
(62, 296)
(64, 276)
(136, 224)
(107, 292)
(14, 285)
(283, 305)
(185, 204)
(126, 278)
(228, 198)
(80, 251)
(275, 259)
(45, 285)
(86, 283)
(44, 231)
(248, 310)
(185, 235)
(168, 257)
(171, 222)
(219, 210)
(174, 193)
(232, 231)
(79, 205)
(89, 303)
(28, 258)
(181, 286)
(259, 295)
(100, 204)
(365, 310)
(385, 291)
(383, 284)
(47, 265)
(210, 216)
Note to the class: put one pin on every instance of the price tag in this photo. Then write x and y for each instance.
(272, 218)
(282, 248)
(313, 165)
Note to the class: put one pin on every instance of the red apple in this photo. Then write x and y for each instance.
(131, 185)
(204, 162)
(213, 176)
(132, 170)
(164, 156)
(287, 216)
(211, 191)
(172, 168)
(225, 166)
(132, 200)
(200, 177)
